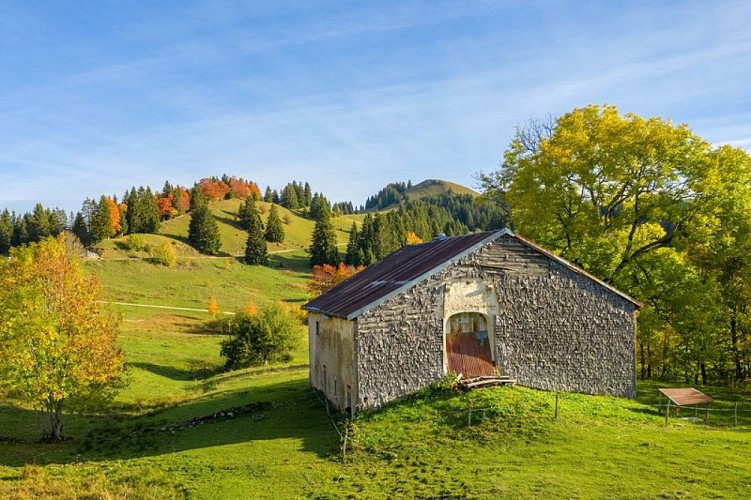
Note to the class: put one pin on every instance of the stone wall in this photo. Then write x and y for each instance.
(399, 345)
(554, 328)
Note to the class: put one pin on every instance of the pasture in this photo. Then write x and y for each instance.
(184, 428)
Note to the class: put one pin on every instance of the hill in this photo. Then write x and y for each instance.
(397, 193)
(298, 231)
(434, 187)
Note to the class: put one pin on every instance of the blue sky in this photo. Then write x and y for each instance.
(98, 96)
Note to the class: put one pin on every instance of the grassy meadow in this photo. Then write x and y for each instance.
(297, 231)
(184, 428)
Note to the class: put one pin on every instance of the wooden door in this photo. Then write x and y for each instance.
(468, 346)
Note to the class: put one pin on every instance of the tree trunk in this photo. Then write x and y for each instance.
(54, 411)
(734, 342)
(703, 373)
(642, 361)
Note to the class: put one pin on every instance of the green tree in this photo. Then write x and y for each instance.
(57, 342)
(256, 252)
(323, 246)
(257, 339)
(603, 189)
(100, 223)
(274, 228)
(245, 212)
(655, 210)
(6, 231)
(352, 257)
(38, 224)
(289, 198)
(81, 230)
(203, 230)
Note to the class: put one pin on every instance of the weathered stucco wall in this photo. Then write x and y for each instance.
(332, 369)
(554, 328)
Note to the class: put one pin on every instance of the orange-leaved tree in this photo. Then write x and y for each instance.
(57, 341)
(326, 277)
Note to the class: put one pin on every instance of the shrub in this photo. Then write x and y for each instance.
(257, 339)
(165, 254)
(134, 243)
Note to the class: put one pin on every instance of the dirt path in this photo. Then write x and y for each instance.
(153, 306)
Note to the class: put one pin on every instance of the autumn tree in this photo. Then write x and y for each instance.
(57, 342)
(326, 277)
(203, 230)
(274, 228)
(213, 307)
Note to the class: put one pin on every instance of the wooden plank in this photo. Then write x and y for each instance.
(685, 396)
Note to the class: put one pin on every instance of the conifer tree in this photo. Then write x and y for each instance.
(80, 229)
(323, 247)
(203, 231)
(100, 222)
(274, 228)
(245, 212)
(352, 258)
(255, 247)
(38, 223)
(6, 231)
(20, 231)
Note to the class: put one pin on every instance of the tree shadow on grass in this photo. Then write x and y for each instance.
(281, 410)
(198, 371)
(291, 261)
(230, 221)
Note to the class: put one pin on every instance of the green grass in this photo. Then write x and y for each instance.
(434, 187)
(192, 283)
(298, 232)
(169, 433)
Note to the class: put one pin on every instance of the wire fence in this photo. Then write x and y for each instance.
(739, 415)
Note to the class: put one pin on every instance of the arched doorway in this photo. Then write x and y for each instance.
(468, 345)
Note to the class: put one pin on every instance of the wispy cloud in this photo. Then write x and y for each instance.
(350, 96)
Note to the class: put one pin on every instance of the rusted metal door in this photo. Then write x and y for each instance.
(468, 346)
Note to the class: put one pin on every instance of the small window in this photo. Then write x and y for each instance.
(318, 328)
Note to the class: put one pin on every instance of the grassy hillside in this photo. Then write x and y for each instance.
(184, 428)
(297, 229)
(435, 187)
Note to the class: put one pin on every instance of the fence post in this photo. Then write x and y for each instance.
(667, 411)
(706, 417)
(735, 414)
(556, 406)
(469, 415)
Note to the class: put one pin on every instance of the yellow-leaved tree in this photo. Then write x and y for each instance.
(57, 341)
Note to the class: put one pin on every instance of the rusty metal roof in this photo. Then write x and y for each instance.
(413, 263)
(401, 269)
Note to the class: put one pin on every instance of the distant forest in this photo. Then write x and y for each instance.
(140, 210)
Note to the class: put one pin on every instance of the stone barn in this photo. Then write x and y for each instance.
(481, 304)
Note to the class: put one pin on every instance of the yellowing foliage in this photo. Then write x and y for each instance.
(213, 307)
(57, 342)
